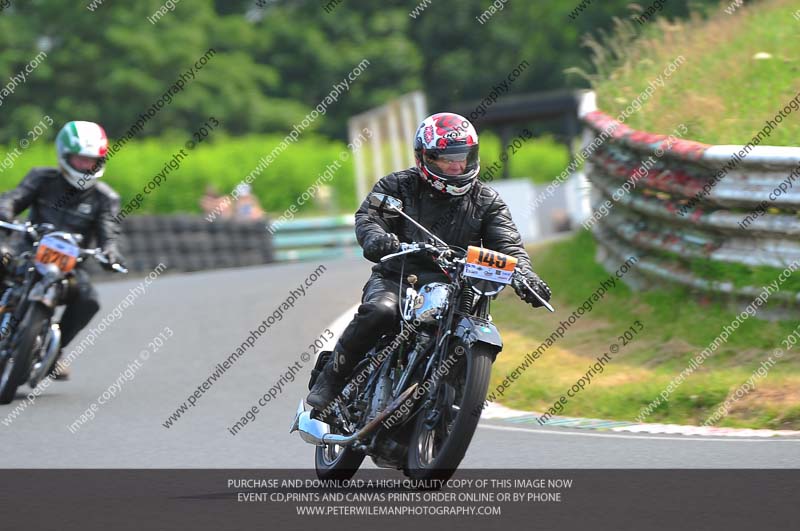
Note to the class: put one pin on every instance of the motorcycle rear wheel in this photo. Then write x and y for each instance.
(434, 452)
(18, 365)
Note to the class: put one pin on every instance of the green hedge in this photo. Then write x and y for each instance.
(225, 161)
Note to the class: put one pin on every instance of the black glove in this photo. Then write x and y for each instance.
(538, 285)
(5, 215)
(113, 257)
(377, 247)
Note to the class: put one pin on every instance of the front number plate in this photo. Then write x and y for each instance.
(55, 251)
(489, 265)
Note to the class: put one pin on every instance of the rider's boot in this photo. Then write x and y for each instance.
(331, 381)
(60, 370)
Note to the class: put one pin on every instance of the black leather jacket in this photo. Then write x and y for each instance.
(479, 217)
(52, 199)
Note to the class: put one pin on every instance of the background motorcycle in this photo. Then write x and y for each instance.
(36, 283)
(414, 401)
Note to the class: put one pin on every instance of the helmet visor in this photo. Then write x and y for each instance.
(85, 164)
(453, 160)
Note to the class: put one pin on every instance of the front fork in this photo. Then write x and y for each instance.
(12, 310)
(49, 290)
(7, 317)
(469, 330)
(43, 364)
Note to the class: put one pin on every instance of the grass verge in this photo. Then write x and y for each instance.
(676, 329)
(740, 69)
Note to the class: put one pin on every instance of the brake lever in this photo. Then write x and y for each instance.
(100, 256)
(546, 304)
(408, 250)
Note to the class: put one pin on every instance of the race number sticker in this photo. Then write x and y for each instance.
(56, 251)
(489, 265)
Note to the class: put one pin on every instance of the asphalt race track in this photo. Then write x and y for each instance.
(210, 314)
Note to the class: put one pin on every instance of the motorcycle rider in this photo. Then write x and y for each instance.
(443, 194)
(71, 198)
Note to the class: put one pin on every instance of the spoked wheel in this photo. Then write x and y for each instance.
(335, 462)
(442, 432)
(18, 365)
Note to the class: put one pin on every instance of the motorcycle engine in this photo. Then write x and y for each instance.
(431, 302)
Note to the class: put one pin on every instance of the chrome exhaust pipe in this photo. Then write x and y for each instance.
(311, 430)
(42, 368)
(316, 432)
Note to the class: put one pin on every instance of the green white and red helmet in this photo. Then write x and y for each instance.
(444, 137)
(87, 139)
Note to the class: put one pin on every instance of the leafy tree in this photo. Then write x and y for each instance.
(277, 59)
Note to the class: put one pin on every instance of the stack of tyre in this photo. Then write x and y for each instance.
(190, 243)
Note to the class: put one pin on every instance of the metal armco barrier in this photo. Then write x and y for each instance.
(314, 238)
(651, 218)
(190, 243)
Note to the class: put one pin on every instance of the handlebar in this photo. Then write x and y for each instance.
(13, 226)
(35, 229)
(416, 247)
(26, 227)
(100, 256)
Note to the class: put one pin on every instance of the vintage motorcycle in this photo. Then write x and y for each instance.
(34, 285)
(411, 403)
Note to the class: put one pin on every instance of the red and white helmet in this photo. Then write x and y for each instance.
(447, 138)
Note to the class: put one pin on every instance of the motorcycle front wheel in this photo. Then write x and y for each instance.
(442, 433)
(334, 462)
(18, 365)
